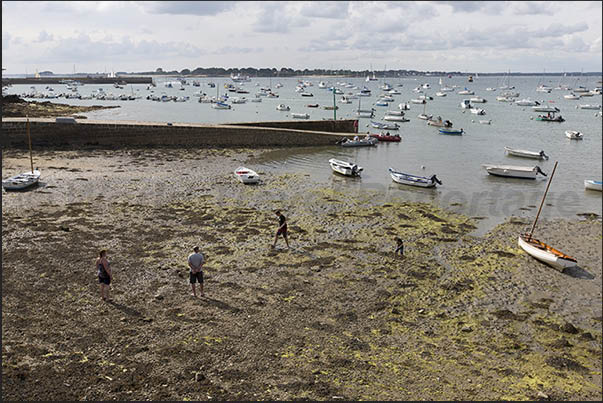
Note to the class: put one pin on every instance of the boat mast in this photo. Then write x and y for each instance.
(542, 202)
(30, 153)
(334, 106)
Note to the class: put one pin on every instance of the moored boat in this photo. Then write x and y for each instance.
(573, 134)
(451, 131)
(387, 137)
(300, 115)
(282, 107)
(593, 185)
(22, 181)
(414, 180)
(246, 175)
(357, 142)
(385, 126)
(395, 118)
(513, 171)
(438, 122)
(345, 168)
(526, 153)
(550, 118)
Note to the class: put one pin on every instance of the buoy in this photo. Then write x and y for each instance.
(422, 166)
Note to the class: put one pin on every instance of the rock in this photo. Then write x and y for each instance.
(569, 328)
(466, 329)
(159, 297)
(199, 377)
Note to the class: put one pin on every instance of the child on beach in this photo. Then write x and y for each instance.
(399, 246)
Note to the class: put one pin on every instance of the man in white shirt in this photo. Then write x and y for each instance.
(195, 262)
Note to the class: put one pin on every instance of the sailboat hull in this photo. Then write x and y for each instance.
(545, 253)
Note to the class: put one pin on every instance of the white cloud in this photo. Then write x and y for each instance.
(44, 36)
(202, 8)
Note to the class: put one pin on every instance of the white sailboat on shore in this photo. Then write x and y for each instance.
(26, 179)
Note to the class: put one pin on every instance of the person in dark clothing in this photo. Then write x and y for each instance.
(399, 246)
(104, 274)
(282, 228)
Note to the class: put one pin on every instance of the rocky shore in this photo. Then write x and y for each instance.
(337, 316)
(13, 106)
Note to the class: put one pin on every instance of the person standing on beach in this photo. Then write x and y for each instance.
(104, 274)
(399, 246)
(282, 229)
(196, 262)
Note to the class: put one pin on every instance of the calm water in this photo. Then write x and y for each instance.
(457, 160)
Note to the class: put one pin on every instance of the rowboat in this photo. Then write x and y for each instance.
(414, 180)
(573, 134)
(345, 168)
(387, 137)
(385, 126)
(513, 171)
(300, 115)
(527, 154)
(246, 175)
(593, 185)
(364, 142)
(545, 253)
(451, 131)
(21, 181)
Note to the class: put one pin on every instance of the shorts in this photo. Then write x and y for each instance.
(194, 277)
(282, 231)
(104, 280)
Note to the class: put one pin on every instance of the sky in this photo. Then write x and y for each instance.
(465, 36)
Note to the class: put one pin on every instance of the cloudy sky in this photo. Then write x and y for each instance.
(466, 36)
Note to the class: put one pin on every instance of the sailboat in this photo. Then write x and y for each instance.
(26, 179)
(540, 250)
(423, 115)
(364, 113)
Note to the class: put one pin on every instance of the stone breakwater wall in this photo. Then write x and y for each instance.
(336, 126)
(47, 133)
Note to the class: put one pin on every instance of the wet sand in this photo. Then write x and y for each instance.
(337, 316)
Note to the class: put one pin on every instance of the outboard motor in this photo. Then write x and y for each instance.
(538, 170)
(543, 155)
(435, 179)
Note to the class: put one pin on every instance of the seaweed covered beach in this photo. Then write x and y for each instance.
(337, 316)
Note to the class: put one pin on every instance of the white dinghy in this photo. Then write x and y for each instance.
(573, 134)
(593, 185)
(246, 175)
(26, 179)
(527, 154)
(345, 168)
(414, 180)
(513, 171)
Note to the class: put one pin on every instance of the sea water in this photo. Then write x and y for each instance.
(456, 160)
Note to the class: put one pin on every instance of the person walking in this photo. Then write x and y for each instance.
(104, 273)
(196, 260)
(282, 228)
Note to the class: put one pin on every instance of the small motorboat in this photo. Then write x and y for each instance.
(300, 115)
(387, 137)
(307, 94)
(418, 101)
(404, 107)
(424, 116)
(345, 168)
(545, 253)
(573, 134)
(527, 102)
(550, 118)
(363, 142)
(385, 126)
(450, 131)
(438, 122)
(440, 94)
(513, 171)
(466, 104)
(527, 154)
(572, 97)
(246, 175)
(544, 108)
(593, 185)
(466, 92)
(282, 107)
(22, 181)
(312, 105)
(414, 180)
(220, 105)
(478, 100)
(394, 113)
(395, 118)
(591, 107)
(478, 111)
